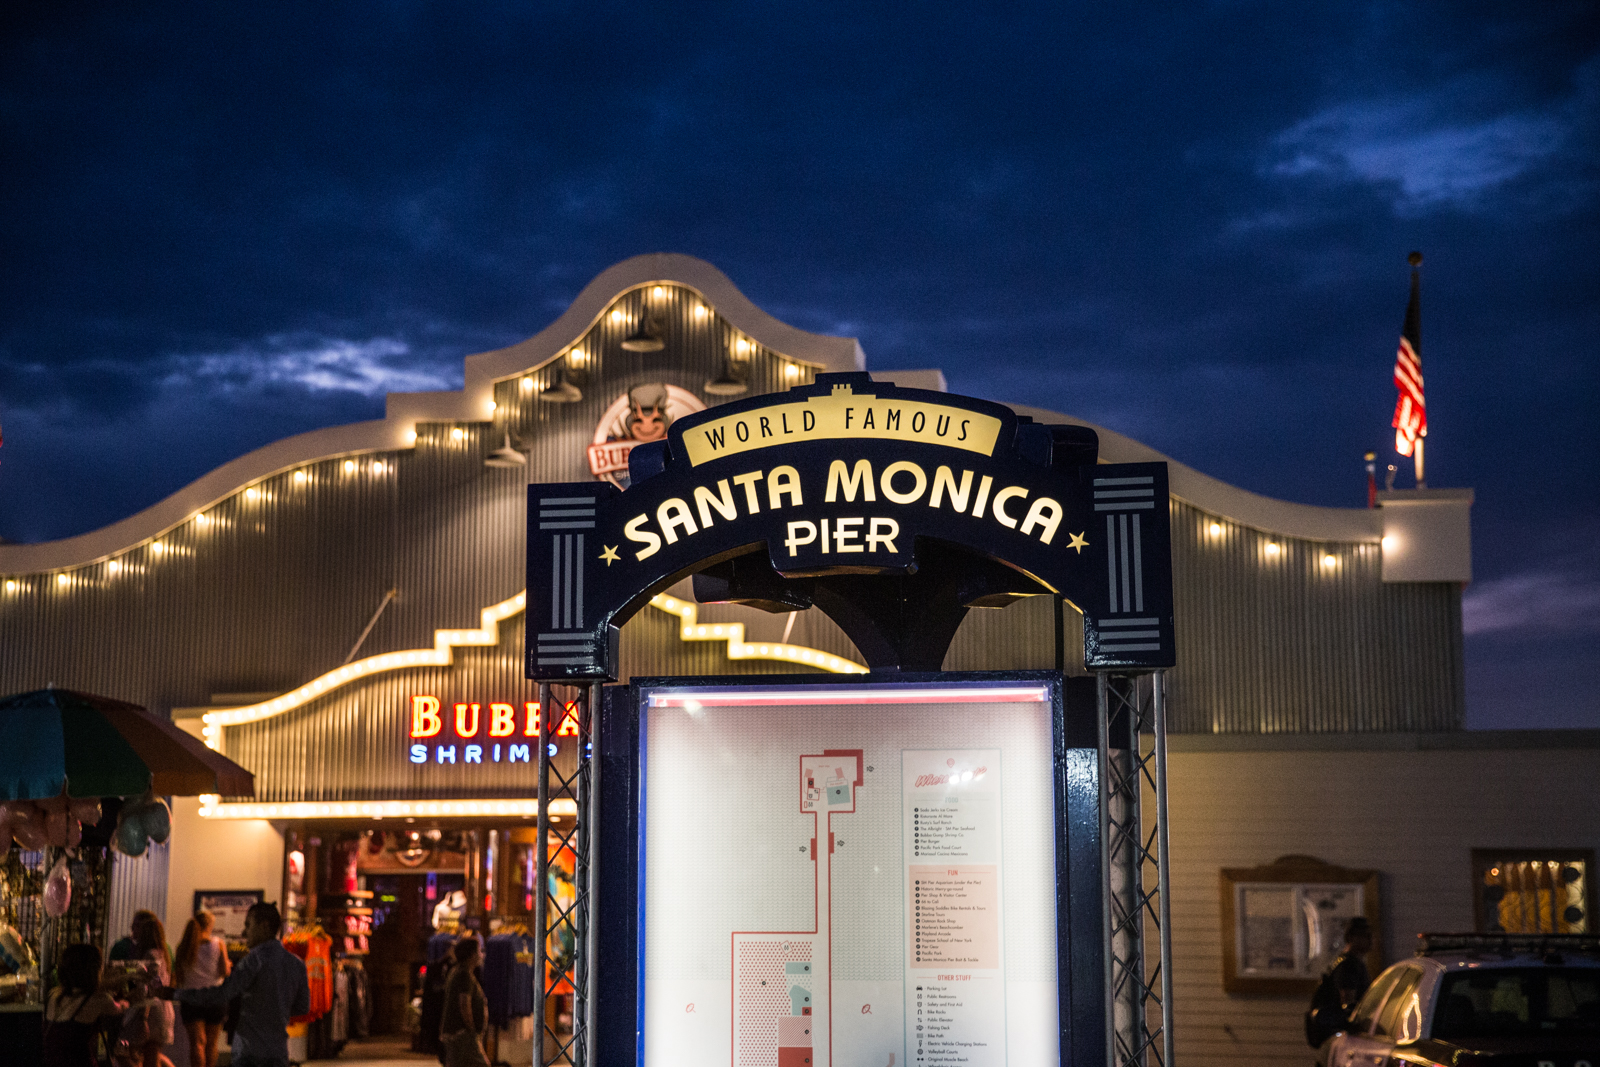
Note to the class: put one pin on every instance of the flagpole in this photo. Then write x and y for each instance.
(1422, 479)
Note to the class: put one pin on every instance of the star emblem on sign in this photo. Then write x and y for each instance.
(1078, 542)
(610, 554)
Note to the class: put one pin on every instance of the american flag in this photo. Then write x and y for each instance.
(1410, 410)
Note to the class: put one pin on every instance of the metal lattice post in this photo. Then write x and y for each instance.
(565, 922)
(1135, 853)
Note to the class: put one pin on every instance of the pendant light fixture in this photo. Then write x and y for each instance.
(505, 456)
(647, 338)
(731, 382)
(569, 373)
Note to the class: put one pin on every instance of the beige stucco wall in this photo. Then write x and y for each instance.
(1415, 816)
(217, 854)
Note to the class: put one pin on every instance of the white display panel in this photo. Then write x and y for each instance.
(849, 876)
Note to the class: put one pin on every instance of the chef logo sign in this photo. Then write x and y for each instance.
(850, 476)
(643, 414)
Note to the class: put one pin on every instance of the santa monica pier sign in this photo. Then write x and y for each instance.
(893, 510)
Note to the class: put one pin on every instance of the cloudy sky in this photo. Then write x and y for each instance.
(223, 224)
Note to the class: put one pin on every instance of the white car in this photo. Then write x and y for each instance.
(1505, 1000)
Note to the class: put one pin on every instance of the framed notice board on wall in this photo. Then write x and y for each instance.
(841, 873)
(1282, 924)
(228, 908)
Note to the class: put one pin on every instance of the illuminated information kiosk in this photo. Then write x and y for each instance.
(849, 874)
(901, 868)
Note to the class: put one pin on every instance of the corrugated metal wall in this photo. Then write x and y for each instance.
(1277, 634)
(137, 883)
(271, 587)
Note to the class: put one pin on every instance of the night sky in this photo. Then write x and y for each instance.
(223, 224)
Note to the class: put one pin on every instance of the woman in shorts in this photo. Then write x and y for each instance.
(202, 963)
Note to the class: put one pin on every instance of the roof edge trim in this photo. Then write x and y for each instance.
(1216, 497)
(468, 404)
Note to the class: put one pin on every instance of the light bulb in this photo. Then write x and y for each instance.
(349, 466)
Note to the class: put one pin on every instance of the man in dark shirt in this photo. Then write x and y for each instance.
(466, 1011)
(271, 982)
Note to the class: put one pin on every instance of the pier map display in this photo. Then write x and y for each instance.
(842, 876)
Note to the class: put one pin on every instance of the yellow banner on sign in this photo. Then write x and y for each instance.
(843, 414)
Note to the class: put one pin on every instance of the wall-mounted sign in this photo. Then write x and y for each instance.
(642, 414)
(475, 732)
(853, 477)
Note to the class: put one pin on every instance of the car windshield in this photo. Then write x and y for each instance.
(1517, 1001)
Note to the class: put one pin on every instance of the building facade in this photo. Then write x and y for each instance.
(347, 606)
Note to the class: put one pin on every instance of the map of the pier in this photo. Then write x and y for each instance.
(849, 877)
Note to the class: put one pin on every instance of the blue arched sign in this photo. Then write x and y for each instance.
(894, 510)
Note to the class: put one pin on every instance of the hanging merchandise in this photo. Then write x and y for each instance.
(316, 948)
(27, 825)
(508, 976)
(141, 821)
(439, 946)
(58, 890)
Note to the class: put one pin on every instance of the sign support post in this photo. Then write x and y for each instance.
(1134, 847)
(566, 922)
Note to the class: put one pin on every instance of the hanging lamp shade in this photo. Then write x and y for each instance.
(729, 383)
(563, 392)
(647, 338)
(505, 456)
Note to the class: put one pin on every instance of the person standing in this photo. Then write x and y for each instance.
(270, 983)
(125, 949)
(202, 963)
(148, 1024)
(80, 1010)
(1342, 984)
(466, 1010)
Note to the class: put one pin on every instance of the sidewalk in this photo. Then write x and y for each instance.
(386, 1051)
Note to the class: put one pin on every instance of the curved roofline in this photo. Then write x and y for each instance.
(468, 404)
(484, 369)
(1216, 497)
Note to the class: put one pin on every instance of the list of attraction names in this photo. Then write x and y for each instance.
(955, 989)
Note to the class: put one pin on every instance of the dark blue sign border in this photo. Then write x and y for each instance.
(619, 872)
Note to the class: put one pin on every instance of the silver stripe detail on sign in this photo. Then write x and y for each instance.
(1111, 558)
(1138, 568)
(555, 582)
(1146, 480)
